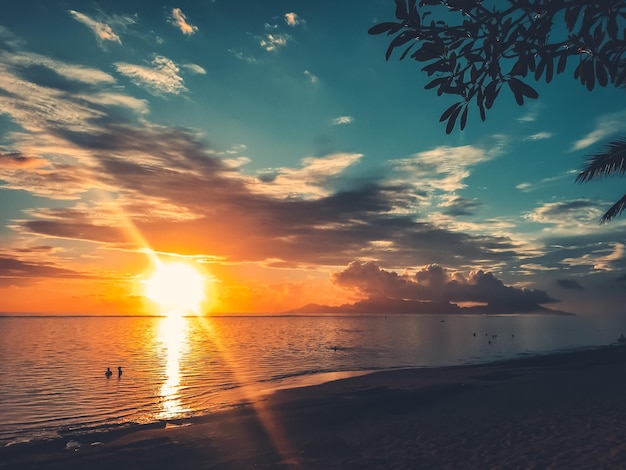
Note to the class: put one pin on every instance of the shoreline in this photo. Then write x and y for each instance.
(562, 409)
(247, 394)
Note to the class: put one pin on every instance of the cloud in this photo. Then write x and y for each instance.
(533, 186)
(539, 136)
(605, 126)
(443, 168)
(120, 175)
(15, 271)
(293, 19)
(435, 175)
(342, 120)
(459, 206)
(437, 284)
(195, 68)
(179, 20)
(310, 76)
(611, 257)
(306, 182)
(12, 161)
(271, 42)
(9, 41)
(160, 79)
(569, 284)
(581, 212)
(103, 30)
(240, 55)
(43, 95)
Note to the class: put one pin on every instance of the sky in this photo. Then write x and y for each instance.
(271, 145)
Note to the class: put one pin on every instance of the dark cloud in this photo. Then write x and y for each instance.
(17, 160)
(76, 231)
(45, 76)
(569, 284)
(15, 271)
(36, 249)
(437, 284)
(460, 206)
(161, 174)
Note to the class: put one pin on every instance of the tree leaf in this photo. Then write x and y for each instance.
(571, 17)
(384, 27)
(588, 74)
(562, 63)
(464, 117)
(436, 82)
(521, 89)
(520, 68)
(540, 67)
(401, 11)
(448, 112)
(549, 70)
(400, 40)
(601, 74)
(406, 51)
(452, 119)
(491, 93)
(611, 27)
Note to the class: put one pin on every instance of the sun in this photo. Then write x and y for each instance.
(177, 288)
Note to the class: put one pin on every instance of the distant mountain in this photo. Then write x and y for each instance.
(395, 306)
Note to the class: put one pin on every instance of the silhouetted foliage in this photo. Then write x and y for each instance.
(608, 163)
(485, 49)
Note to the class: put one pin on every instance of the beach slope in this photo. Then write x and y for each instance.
(559, 411)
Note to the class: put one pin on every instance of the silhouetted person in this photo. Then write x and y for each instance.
(119, 371)
(108, 373)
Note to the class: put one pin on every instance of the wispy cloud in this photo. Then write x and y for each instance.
(568, 214)
(195, 68)
(539, 136)
(272, 42)
(605, 126)
(160, 79)
(292, 19)
(306, 182)
(610, 257)
(179, 20)
(460, 206)
(313, 78)
(13, 161)
(103, 30)
(528, 186)
(342, 120)
(443, 168)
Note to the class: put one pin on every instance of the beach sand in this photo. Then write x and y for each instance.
(558, 411)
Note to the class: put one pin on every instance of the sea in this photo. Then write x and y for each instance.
(52, 369)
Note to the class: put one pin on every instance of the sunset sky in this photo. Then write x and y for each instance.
(271, 146)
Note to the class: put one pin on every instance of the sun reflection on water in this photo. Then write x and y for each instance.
(173, 335)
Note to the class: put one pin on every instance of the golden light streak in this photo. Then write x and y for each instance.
(173, 337)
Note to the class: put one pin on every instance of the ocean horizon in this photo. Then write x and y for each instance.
(54, 384)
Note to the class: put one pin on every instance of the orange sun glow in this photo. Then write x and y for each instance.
(177, 288)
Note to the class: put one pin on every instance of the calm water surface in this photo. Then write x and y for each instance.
(52, 368)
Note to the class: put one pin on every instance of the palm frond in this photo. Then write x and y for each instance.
(615, 210)
(608, 163)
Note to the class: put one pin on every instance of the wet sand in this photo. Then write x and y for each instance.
(558, 411)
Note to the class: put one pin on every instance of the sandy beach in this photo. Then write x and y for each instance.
(558, 411)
